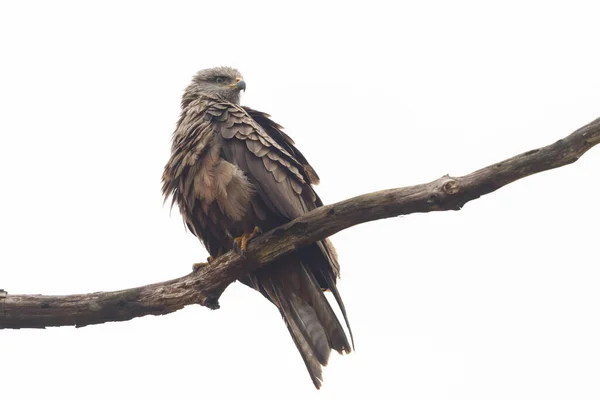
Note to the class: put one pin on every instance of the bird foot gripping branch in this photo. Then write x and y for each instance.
(240, 244)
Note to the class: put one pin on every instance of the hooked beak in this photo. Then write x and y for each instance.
(240, 85)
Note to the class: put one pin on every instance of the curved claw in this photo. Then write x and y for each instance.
(240, 244)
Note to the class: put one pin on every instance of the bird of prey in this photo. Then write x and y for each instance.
(233, 173)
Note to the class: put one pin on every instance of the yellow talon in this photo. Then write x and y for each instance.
(241, 243)
(210, 259)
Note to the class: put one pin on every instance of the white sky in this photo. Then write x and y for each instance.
(499, 300)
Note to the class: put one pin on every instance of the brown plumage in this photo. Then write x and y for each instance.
(232, 169)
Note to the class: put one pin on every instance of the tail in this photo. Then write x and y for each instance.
(291, 285)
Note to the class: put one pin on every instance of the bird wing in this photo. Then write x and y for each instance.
(276, 132)
(267, 157)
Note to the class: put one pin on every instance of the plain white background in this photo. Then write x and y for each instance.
(499, 300)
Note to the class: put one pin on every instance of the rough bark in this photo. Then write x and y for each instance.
(206, 285)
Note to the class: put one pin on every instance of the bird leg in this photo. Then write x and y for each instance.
(241, 243)
(210, 259)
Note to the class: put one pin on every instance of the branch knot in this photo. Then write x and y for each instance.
(451, 187)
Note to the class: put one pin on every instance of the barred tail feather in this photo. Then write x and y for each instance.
(309, 318)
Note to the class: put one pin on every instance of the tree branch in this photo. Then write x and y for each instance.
(206, 285)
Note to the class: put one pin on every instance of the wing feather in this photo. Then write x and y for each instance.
(280, 179)
(276, 132)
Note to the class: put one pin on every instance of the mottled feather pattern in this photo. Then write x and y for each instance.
(276, 132)
(241, 126)
(232, 168)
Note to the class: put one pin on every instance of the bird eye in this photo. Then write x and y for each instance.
(220, 79)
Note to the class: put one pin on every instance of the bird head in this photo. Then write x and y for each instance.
(223, 82)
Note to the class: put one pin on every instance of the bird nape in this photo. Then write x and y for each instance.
(233, 172)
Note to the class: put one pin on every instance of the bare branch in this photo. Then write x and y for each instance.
(206, 285)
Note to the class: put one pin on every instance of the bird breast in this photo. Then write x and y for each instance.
(215, 180)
